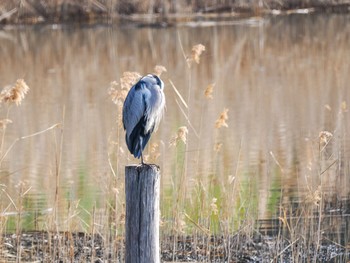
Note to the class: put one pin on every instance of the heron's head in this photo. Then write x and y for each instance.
(153, 80)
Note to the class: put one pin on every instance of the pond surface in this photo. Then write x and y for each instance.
(283, 82)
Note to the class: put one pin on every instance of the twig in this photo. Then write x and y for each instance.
(40, 132)
(110, 166)
(178, 94)
(182, 48)
(8, 14)
(205, 230)
(329, 166)
(277, 162)
(188, 120)
(11, 200)
(284, 250)
(25, 137)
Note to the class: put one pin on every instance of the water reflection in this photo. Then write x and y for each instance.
(283, 81)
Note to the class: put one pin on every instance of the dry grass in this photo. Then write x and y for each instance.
(10, 94)
(221, 121)
(14, 94)
(181, 135)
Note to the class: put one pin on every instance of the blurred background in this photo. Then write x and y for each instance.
(257, 130)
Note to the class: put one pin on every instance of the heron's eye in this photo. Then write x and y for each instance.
(159, 83)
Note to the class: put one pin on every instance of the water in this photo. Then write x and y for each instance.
(283, 80)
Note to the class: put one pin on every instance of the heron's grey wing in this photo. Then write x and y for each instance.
(134, 107)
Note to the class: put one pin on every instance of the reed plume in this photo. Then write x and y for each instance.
(208, 93)
(221, 121)
(181, 135)
(159, 69)
(118, 94)
(325, 136)
(14, 94)
(3, 123)
(196, 52)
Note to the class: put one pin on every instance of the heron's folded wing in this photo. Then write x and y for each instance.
(134, 107)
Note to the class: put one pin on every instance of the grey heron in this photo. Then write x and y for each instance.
(142, 111)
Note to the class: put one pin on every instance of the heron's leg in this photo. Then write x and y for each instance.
(142, 158)
(141, 139)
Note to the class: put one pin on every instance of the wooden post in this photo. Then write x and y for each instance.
(142, 214)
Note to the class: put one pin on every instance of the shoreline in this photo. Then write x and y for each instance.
(83, 13)
(78, 247)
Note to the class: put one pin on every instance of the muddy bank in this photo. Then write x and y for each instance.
(155, 12)
(80, 247)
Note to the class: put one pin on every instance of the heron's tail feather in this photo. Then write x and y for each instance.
(138, 139)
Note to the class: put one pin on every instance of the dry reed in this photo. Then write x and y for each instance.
(197, 51)
(15, 93)
(181, 135)
(208, 93)
(159, 69)
(221, 121)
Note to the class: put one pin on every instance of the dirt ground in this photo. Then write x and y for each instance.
(80, 247)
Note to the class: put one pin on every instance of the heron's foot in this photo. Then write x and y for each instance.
(142, 164)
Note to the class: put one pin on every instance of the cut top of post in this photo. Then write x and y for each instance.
(142, 167)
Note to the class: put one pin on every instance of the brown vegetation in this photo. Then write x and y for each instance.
(58, 11)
